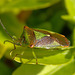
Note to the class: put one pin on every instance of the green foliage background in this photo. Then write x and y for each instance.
(53, 15)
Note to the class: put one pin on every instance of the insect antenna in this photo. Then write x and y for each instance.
(6, 30)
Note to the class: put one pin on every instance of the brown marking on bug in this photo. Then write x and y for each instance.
(67, 42)
(65, 46)
(63, 36)
(26, 27)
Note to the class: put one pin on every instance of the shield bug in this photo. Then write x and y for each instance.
(39, 38)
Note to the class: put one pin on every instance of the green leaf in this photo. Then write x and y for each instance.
(74, 36)
(70, 5)
(2, 50)
(17, 5)
(44, 56)
(69, 18)
(25, 69)
(67, 69)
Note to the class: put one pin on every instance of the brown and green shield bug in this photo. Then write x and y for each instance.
(38, 38)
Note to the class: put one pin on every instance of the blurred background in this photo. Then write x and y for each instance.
(53, 15)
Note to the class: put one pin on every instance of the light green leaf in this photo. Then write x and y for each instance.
(25, 69)
(16, 5)
(64, 69)
(2, 50)
(70, 5)
(44, 56)
(69, 18)
(74, 36)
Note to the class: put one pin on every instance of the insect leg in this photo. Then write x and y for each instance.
(16, 56)
(7, 41)
(34, 56)
(12, 49)
(12, 43)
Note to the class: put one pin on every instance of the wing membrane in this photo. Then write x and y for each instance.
(61, 39)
